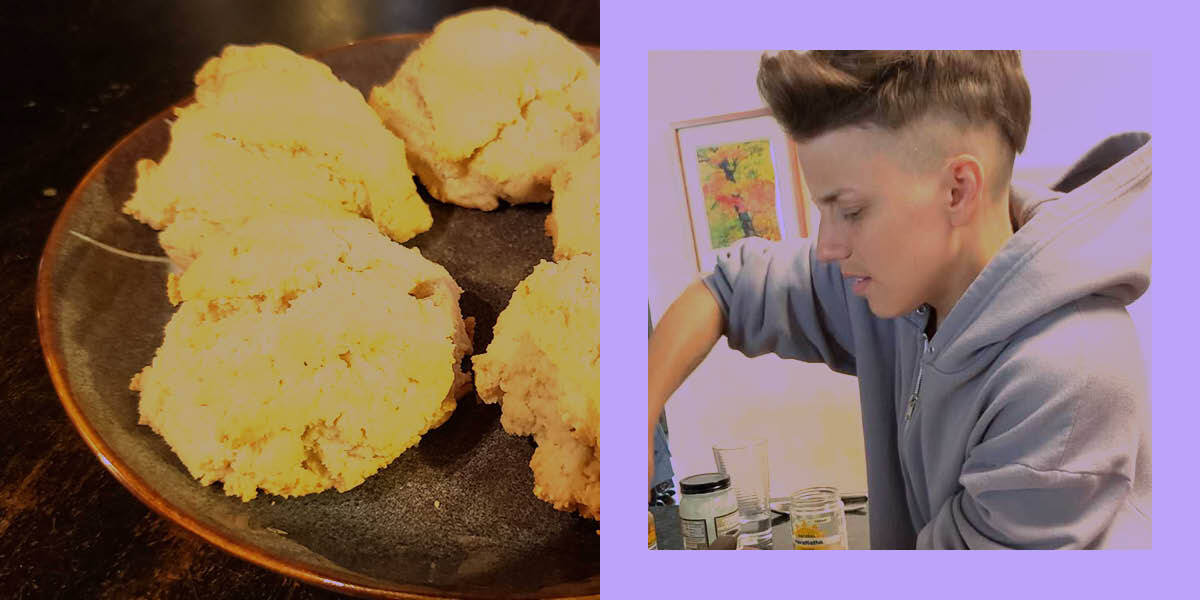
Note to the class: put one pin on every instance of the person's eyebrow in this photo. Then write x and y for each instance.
(831, 197)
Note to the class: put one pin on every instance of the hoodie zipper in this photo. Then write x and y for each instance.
(916, 395)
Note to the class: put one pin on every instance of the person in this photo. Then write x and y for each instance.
(662, 486)
(1004, 397)
(662, 474)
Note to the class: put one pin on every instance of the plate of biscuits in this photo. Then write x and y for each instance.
(338, 314)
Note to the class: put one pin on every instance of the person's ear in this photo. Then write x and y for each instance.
(965, 181)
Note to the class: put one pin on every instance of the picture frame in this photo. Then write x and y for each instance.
(741, 177)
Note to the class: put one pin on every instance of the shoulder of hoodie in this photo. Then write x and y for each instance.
(1082, 361)
(1088, 344)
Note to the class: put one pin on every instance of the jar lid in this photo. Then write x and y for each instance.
(704, 483)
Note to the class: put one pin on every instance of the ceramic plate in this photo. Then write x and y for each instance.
(454, 516)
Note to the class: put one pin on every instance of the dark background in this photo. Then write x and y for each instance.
(81, 75)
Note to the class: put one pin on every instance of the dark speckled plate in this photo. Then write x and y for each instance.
(454, 516)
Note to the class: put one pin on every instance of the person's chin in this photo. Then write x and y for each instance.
(884, 310)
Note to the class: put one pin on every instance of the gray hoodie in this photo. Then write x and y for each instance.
(1024, 421)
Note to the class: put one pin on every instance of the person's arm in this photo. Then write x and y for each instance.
(777, 298)
(765, 298)
(684, 336)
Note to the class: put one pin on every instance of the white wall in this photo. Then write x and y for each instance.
(1080, 98)
(809, 414)
(684, 85)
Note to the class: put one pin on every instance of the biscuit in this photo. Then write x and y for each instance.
(272, 132)
(306, 354)
(543, 368)
(489, 106)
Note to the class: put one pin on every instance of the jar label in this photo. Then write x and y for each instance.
(808, 535)
(833, 542)
(727, 524)
(695, 533)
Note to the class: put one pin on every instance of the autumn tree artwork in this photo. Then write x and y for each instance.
(739, 191)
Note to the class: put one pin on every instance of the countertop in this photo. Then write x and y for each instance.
(670, 536)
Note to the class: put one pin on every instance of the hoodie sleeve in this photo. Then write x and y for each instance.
(1022, 507)
(776, 297)
(1055, 452)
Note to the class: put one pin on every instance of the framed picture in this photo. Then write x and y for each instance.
(741, 178)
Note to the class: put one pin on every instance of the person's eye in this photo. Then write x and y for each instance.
(852, 215)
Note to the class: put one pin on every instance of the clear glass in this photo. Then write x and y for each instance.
(746, 464)
(818, 519)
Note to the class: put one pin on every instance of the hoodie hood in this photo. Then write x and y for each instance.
(1066, 247)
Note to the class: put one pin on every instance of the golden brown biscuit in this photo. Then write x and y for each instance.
(543, 367)
(306, 354)
(574, 221)
(489, 106)
(272, 132)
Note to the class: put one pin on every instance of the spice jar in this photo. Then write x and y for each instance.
(818, 519)
(707, 509)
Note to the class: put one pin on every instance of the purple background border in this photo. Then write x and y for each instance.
(629, 29)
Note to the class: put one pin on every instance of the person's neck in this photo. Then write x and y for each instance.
(995, 232)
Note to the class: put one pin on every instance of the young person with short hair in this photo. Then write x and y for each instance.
(1004, 396)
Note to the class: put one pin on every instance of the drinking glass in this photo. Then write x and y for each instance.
(746, 464)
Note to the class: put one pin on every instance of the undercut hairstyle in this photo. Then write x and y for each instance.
(814, 92)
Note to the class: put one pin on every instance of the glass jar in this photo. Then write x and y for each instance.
(818, 519)
(707, 509)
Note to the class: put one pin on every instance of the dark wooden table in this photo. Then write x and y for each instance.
(80, 76)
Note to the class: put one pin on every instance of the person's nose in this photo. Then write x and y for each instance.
(831, 243)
